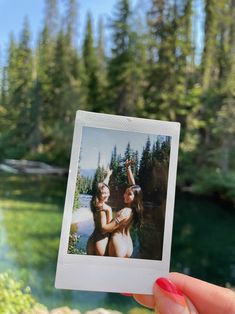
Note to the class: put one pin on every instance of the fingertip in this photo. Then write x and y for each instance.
(145, 300)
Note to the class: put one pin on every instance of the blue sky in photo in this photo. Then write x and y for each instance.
(98, 140)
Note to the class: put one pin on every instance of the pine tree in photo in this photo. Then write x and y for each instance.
(156, 152)
(135, 167)
(115, 163)
(128, 152)
(77, 192)
(99, 177)
(145, 167)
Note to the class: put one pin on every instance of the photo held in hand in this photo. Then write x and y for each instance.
(119, 203)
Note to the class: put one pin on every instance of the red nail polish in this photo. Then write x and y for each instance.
(169, 288)
(127, 294)
(168, 285)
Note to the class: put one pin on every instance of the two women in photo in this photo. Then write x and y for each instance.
(111, 236)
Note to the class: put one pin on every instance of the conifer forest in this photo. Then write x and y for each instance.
(143, 61)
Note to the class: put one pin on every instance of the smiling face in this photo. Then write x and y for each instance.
(104, 194)
(128, 196)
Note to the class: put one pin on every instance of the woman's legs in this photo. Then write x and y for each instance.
(90, 248)
(101, 246)
(97, 246)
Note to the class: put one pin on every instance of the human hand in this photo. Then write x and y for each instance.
(186, 295)
(123, 214)
(129, 162)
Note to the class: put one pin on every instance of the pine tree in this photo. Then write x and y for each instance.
(125, 64)
(71, 20)
(8, 112)
(3, 85)
(211, 29)
(168, 93)
(102, 101)
(43, 90)
(51, 20)
(222, 126)
(19, 74)
(90, 65)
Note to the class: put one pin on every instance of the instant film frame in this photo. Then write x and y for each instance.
(105, 273)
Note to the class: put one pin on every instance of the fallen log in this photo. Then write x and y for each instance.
(31, 167)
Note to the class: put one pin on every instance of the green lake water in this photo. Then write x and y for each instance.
(31, 210)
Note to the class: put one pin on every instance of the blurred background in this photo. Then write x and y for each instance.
(158, 59)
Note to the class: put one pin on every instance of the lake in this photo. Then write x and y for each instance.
(31, 210)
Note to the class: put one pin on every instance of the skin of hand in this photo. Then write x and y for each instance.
(129, 162)
(181, 294)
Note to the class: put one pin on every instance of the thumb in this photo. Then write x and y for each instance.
(170, 300)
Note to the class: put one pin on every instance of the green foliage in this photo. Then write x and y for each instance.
(73, 244)
(216, 182)
(98, 177)
(83, 186)
(15, 298)
(154, 70)
(126, 66)
(137, 310)
(30, 204)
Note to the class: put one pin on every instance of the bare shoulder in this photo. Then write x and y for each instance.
(126, 211)
(107, 207)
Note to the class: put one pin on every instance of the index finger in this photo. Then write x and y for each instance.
(208, 298)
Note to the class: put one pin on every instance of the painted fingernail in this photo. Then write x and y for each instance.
(170, 289)
(127, 294)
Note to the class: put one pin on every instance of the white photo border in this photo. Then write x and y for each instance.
(114, 274)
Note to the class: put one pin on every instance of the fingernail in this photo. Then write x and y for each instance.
(127, 294)
(170, 289)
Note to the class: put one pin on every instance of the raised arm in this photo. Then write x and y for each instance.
(130, 176)
(107, 178)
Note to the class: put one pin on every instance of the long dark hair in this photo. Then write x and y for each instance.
(137, 204)
(96, 197)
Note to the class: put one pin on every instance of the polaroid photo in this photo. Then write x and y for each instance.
(118, 215)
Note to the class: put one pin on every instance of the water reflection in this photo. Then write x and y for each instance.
(30, 227)
(30, 222)
(204, 239)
